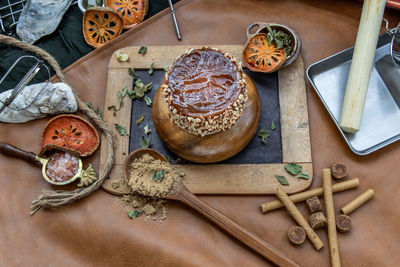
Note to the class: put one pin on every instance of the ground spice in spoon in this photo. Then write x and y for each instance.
(143, 171)
(145, 177)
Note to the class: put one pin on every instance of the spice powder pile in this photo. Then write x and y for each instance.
(142, 180)
(142, 177)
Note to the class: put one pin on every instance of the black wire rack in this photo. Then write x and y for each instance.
(9, 14)
(10, 10)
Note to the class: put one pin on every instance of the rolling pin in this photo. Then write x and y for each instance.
(361, 65)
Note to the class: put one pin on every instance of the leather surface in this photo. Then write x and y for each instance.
(95, 231)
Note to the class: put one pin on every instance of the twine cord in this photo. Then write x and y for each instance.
(57, 198)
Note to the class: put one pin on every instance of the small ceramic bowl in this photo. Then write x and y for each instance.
(90, 2)
(259, 27)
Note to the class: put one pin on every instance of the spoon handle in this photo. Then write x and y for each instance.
(248, 238)
(13, 151)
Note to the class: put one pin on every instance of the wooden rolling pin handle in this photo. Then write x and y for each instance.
(13, 151)
(248, 238)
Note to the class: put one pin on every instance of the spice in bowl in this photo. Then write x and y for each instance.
(62, 167)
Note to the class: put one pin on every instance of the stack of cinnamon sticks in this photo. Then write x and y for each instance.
(340, 222)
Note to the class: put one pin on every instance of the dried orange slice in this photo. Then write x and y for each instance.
(261, 56)
(70, 133)
(100, 25)
(131, 11)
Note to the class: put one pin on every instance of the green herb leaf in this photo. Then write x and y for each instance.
(140, 120)
(145, 143)
(149, 86)
(140, 88)
(90, 105)
(113, 108)
(99, 2)
(279, 43)
(147, 100)
(120, 99)
(135, 213)
(151, 68)
(280, 38)
(124, 92)
(147, 130)
(85, 4)
(142, 50)
(293, 168)
(132, 94)
(282, 179)
(158, 175)
(121, 130)
(99, 114)
(263, 134)
(133, 74)
(304, 175)
(165, 69)
(270, 38)
(273, 125)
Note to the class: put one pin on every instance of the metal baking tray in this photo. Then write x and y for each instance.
(381, 119)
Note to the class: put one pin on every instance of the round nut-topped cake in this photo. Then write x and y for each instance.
(205, 90)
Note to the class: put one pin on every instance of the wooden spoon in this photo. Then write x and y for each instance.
(184, 195)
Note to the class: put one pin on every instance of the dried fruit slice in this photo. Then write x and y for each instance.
(131, 11)
(70, 133)
(100, 25)
(261, 56)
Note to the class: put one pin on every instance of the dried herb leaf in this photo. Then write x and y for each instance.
(133, 74)
(140, 89)
(273, 125)
(280, 38)
(135, 213)
(145, 143)
(132, 94)
(90, 105)
(151, 68)
(124, 92)
(165, 69)
(142, 50)
(85, 4)
(147, 100)
(282, 179)
(121, 130)
(99, 2)
(158, 175)
(149, 86)
(99, 114)
(140, 120)
(304, 175)
(293, 168)
(113, 108)
(263, 134)
(147, 130)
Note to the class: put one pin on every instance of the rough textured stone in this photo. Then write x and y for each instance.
(40, 18)
(37, 101)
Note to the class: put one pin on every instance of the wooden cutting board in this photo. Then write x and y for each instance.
(218, 178)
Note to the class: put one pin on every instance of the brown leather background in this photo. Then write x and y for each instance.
(95, 231)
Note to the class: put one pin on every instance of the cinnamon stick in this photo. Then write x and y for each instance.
(357, 202)
(338, 187)
(296, 215)
(330, 216)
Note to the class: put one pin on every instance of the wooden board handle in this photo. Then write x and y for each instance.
(13, 151)
(248, 238)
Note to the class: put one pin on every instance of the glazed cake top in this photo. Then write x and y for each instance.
(203, 83)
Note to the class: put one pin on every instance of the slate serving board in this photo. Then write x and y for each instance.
(255, 152)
